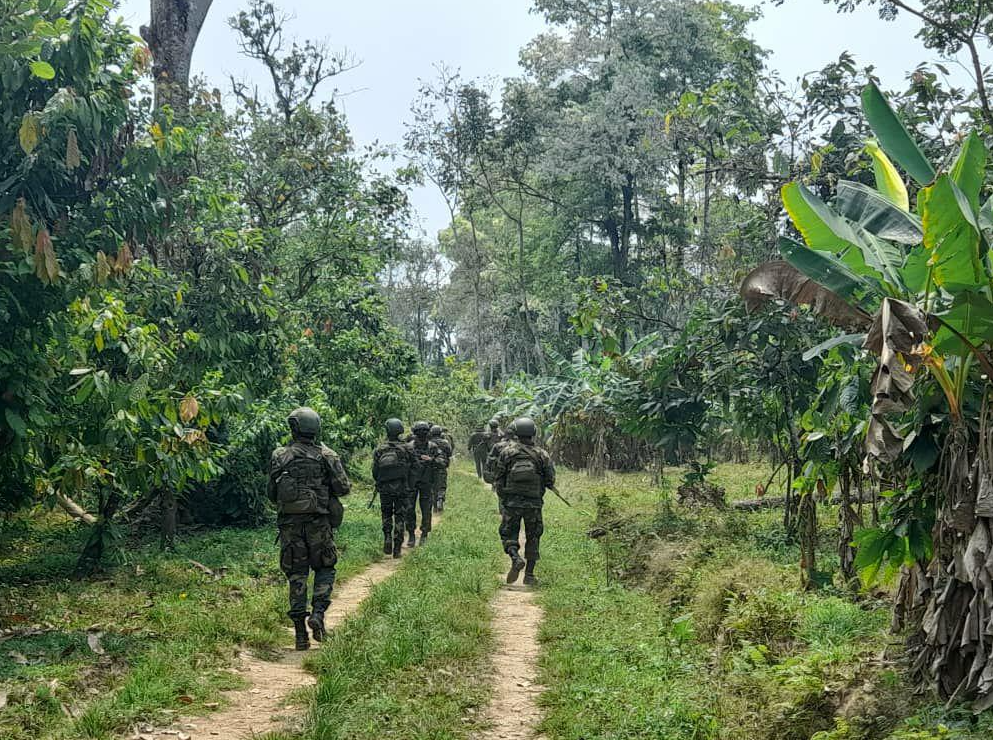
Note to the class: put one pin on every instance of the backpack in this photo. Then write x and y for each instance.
(391, 465)
(524, 474)
(300, 484)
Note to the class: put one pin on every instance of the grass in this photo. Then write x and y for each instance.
(412, 662)
(169, 631)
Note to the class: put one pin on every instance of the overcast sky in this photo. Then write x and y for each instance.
(400, 41)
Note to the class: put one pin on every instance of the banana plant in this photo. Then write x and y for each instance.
(915, 286)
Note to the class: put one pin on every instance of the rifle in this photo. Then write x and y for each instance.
(373, 499)
(555, 490)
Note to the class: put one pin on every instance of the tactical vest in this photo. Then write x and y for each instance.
(392, 464)
(523, 472)
(421, 471)
(301, 486)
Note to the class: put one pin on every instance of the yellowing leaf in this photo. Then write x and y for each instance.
(888, 180)
(29, 132)
(72, 150)
(189, 408)
(98, 341)
(46, 265)
(124, 259)
(21, 232)
(103, 268)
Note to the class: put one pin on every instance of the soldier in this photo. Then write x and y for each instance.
(305, 481)
(447, 435)
(445, 460)
(391, 466)
(493, 435)
(522, 473)
(422, 473)
(477, 448)
(496, 442)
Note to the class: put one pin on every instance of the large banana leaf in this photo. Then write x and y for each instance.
(888, 181)
(971, 315)
(951, 235)
(824, 269)
(876, 214)
(969, 170)
(825, 230)
(893, 137)
(779, 280)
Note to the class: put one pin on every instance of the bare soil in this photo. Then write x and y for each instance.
(513, 713)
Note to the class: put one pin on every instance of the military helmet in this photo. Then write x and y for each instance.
(436, 430)
(421, 428)
(394, 427)
(304, 422)
(525, 427)
(494, 423)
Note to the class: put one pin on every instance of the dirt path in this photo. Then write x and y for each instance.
(261, 707)
(513, 712)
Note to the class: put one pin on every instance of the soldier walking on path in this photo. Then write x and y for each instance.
(444, 461)
(392, 463)
(477, 448)
(306, 479)
(425, 465)
(522, 473)
(489, 469)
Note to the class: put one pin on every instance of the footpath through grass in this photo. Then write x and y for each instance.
(412, 663)
(169, 629)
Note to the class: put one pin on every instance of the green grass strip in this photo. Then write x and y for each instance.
(412, 662)
(170, 631)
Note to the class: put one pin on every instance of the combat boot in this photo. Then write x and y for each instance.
(411, 540)
(397, 545)
(439, 505)
(516, 566)
(424, 538)
(300, 628)
(387, 545)
(529, 579)
(316, 624)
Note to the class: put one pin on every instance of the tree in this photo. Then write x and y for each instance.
(171, 35)
(920, 285)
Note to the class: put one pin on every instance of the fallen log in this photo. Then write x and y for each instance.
(773, 502)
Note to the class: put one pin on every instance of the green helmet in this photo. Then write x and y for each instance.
(525, 427)
(421, 429)
(304, 422)
(494, 423)
(394, 428)
(436, 431)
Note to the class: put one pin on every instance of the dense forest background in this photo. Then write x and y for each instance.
(663, 250)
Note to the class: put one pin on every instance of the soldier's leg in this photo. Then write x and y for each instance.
(293, 563)
(398, 522)
(323, 556)
(426, 499)
(387, 509)
(441, 491)
(410, 515)
(534, 525)
(510, 532)
(479, 465)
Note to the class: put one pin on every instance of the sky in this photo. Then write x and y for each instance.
(400, 42)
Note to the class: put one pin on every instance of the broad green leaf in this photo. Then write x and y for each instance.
(43, 70)
(888, 181)
(15, 422)
(895, 140)
(969, 169)
(951, 235)
(876, 214)
(825, 230)
(823, 348)
(915, 269)
(825, 270)
(972, 315)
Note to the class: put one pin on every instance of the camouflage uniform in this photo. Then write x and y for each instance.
(522, 499)
(422, 475)
(478, 450)
(305, 481)
(393, 487)
(441, 474)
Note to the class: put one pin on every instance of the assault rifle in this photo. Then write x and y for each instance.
(562, 498)
(373, 499)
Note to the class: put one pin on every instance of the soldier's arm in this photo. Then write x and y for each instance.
(548, 472)
(500, 470)
(375, 464)
(271, 484)
(340, 485)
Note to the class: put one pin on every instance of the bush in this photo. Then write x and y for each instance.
(732, 585)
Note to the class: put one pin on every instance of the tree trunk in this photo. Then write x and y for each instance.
(169, 508)
(171, 36)
(808, 540)
(627, 225)
(848, 520)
